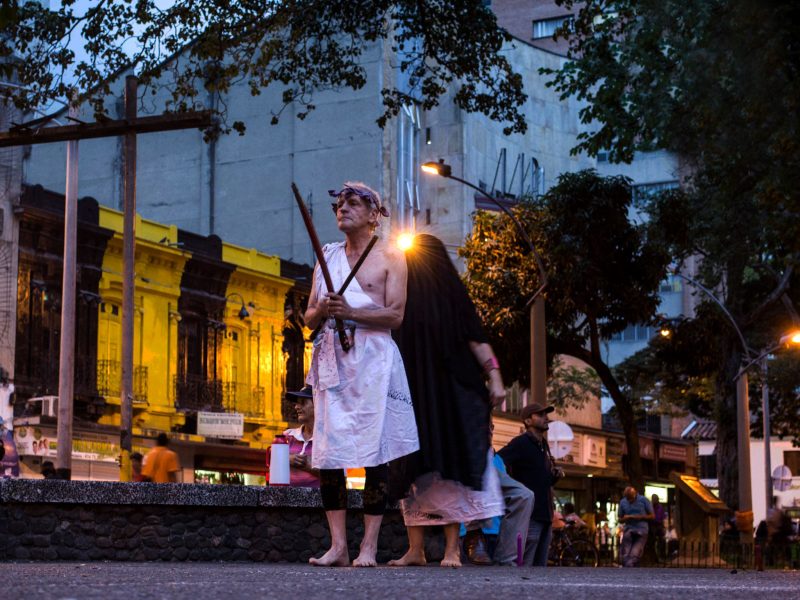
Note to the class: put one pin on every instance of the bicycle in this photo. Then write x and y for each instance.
(572, 550)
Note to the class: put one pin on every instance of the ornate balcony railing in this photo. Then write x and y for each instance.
(109, 378)
(196, 393)
(241, 398)
(193, 392)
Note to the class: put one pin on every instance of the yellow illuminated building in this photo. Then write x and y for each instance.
(243, 358)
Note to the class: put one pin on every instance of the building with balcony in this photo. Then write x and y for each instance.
(208, 338)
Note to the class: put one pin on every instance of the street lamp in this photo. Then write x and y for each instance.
(243, 312)
(742, 408)
(788, 340)
(536, 303)
(743, 403)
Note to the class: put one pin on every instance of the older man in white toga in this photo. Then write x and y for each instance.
(363, 411)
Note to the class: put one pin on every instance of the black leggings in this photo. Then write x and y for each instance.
(334, 491)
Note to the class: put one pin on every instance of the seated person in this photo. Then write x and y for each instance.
(301, 474)
(570, 516)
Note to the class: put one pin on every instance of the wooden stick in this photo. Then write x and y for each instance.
(350, 277)
(312, 233)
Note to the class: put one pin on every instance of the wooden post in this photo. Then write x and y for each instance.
(538, 353)
(743, 451)
(767, 433)
(66, 357)
(128, 282)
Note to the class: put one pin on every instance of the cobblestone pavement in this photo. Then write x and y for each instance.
(204, 581)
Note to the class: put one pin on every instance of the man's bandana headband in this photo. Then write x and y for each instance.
(361, 193)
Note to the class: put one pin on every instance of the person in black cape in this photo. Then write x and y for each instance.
(454, 379)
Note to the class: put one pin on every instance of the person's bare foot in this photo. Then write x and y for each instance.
(334, 557)
(366, 557)
(451, 559)
(409, 559)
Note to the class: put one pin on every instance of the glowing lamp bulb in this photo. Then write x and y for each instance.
(405, 241)
(665, 332)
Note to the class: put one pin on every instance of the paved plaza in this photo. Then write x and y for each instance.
(201, 581)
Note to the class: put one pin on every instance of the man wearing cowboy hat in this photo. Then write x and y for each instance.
(527, 458)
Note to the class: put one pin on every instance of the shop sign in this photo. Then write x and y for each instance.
(594, 451)
(37, 441)
(647, 448)
(220, 425)
(575, 456)
(672, 452)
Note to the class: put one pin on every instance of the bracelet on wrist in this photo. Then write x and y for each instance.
(490, 365)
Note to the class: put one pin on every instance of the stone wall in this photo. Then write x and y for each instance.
(84, 521)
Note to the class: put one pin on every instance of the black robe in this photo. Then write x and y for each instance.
(451, 401)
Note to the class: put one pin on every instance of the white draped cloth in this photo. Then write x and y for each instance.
(363, 416)
(436, 501)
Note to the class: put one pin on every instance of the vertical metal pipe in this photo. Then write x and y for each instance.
(743, 451)
(128, 282)
(66, 360)
(767, 433)
(538, 352)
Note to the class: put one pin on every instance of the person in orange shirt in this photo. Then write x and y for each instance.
(161, 464)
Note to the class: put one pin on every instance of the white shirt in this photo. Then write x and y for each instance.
(6, 407)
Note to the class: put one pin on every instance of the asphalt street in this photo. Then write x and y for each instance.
(204, 581)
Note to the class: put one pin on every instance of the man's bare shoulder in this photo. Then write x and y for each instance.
(391, 255)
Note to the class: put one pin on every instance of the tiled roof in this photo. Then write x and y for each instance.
(700, 429)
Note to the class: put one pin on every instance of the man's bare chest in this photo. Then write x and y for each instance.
(371, 278)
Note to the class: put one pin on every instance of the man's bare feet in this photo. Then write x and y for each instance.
(334, 557)
(451, 559)
(366, 557)
(410, 559)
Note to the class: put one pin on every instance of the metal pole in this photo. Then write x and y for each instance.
(538, 353)
(538, 329)
(128, 283)
(743, 447)
(767, 433)
(66, 358)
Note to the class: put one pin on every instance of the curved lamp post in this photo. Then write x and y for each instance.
(743, 402)
(536, 303)
(243, 312)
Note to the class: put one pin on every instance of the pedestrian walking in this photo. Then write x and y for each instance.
(160, 464)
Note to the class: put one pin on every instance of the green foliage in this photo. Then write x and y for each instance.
(603, 269)
(603, 273)
(784, 390)
(197, 48)
(571, 386)
(716, 82)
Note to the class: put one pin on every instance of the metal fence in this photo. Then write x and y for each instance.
(197, 393)
(723, 554)
(241, 398)
(109, 377)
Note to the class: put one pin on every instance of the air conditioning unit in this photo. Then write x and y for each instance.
(49, 405)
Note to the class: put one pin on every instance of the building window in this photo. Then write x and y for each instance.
(671, 284)
(546, 28)
(645, 191)
(708, 466)
(791, 458)
(408, 166)
(634, 333)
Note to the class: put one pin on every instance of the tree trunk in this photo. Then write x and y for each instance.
(627, 416)
(727, 443)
